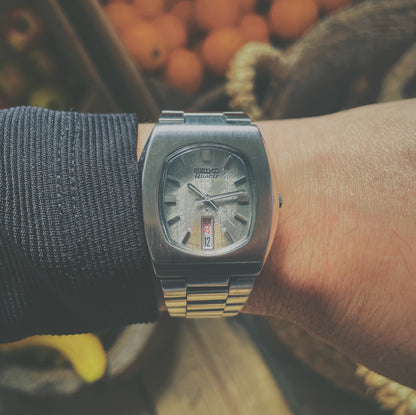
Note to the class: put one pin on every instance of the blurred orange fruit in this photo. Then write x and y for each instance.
(121, 15)
(329, 5)
(146, 45)
(184, 70)
(197, 48)
(172, 29)
(220, 46)
(215, 14)
(290, 19)
(119, 1)
(184, 9)
(254, 28)
(169, 3)
(149, 8)
(247, 6)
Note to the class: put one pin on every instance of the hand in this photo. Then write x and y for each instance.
(207, 199)
(222, 196)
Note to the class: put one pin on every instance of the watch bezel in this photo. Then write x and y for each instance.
(245, 140)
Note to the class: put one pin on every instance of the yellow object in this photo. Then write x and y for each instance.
(84, 351)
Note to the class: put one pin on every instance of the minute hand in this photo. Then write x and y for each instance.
(206, 199)
(203, 195)
(222, 196)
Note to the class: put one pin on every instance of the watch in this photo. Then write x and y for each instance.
(207, 208)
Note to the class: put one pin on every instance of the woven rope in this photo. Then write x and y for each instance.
(391, 395)
(241, 77)
(342, 371)
(399, 76)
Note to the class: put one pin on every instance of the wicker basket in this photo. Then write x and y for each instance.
(342, 62)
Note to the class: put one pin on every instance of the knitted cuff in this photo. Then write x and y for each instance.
(73, 255)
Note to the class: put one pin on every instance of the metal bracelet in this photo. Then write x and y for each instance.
(207, 297)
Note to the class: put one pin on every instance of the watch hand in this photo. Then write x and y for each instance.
(222, 196)
(206, 199)
(195, 189)
(203, 195)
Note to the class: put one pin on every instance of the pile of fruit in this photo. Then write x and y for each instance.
(29, 71)
(184, 41)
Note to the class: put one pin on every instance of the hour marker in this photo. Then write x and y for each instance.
(228, 163)
(170, 199)
(183, 161)
(243, 199)
(173, 220)
(186, 238)
(206, 155)
(240, 181)
(228, 236)
(174, 181)
(242, 219)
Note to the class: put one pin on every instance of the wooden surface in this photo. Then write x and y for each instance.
(217, 370)
(222, 366)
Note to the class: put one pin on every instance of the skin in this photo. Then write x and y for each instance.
(342, 263)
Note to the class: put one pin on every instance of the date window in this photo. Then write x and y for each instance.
(207, 232)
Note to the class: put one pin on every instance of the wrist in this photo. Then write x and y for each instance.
(290, 153)
(342, 262)
(305, 265)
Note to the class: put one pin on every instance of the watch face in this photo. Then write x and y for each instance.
(207, 200)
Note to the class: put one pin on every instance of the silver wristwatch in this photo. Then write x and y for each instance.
(207, 209)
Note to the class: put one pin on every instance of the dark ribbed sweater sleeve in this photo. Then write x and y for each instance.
(72, 249)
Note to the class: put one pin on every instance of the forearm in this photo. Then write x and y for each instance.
(343, 262)
(73, 256)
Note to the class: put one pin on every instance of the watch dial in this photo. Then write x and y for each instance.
(207, 202)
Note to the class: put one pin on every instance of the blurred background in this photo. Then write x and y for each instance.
(270, 58)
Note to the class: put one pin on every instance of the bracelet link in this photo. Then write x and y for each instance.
(222, 296)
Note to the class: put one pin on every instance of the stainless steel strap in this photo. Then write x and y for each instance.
(206, 297)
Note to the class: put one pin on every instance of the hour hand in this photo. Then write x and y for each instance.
(205, 198)
(196, 190)
(222, 196)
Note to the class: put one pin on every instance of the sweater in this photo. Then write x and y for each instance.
(73, 255)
